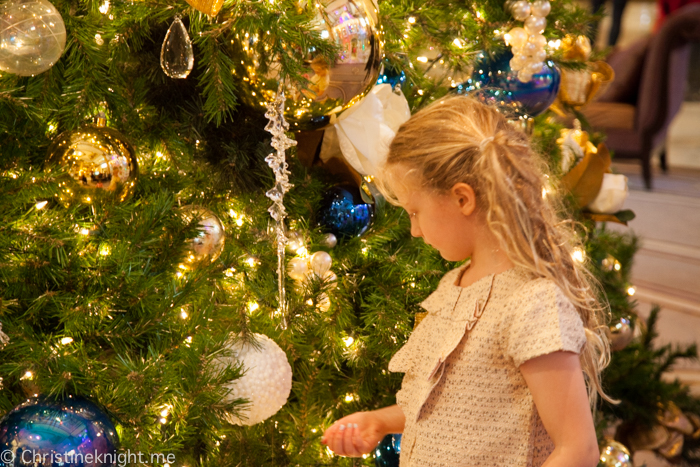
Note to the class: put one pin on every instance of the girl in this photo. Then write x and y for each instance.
(504, 369)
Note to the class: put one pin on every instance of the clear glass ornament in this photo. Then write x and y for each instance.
(32, 36)
(176, 56)
(520, 10)
(540, 8)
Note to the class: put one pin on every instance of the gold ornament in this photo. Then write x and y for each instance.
(100, 162)
(208, 7)
(695, 420)
(614, 454)
(209, 243)
(586, 177)
(621, 334)
(328, 88)
(672, 417)
(578, 87)
(673, 446)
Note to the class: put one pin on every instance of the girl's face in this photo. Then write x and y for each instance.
(438, 218)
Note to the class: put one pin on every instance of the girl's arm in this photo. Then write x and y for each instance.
(360, 432)
(559, 391)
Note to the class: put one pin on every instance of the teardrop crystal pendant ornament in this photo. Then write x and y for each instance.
(176, 56)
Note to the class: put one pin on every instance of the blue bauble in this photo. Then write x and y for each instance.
(386, 454)
(493, 82)
(389, 74)
(69, 432)
(344, 213)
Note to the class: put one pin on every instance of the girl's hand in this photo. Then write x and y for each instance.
(354, 435)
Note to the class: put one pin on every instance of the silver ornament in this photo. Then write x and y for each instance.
(209, 243)
(328, 88)
(329, 240)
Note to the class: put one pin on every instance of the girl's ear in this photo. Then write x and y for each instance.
(464, 195)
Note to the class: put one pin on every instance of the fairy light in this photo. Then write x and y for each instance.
(314, 430)
(66, 340)
(84, 232)
(412, 19)
(631, 291)
(253, 306)
(104, 8)
(251, 261)
(420, 92)
(41, 205)
(52, 127)
(239, 221)
(183, 313)
(159, 155)
(105, 250)
(578, 255)
(348, 341)
(554, 44)
(458, 42)
(349, 398)
(302, 251)
(27, 375)
(422, 59)
(229, 272)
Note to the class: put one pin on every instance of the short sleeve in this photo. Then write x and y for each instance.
(542, 320)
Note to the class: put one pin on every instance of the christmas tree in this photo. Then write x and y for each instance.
(140, 263)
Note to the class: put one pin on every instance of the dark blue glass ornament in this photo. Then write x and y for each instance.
(493, 82)
(390, 74)
(386, 454)
(344, 213)
(69, 432)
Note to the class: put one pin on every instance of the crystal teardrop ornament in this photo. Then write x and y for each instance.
(176, 56)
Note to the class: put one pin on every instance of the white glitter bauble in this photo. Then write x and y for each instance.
(32, 36)
(266, 383)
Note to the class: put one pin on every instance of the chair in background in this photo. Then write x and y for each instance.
(651, 75)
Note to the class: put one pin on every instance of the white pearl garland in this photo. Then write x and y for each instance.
(527, 43)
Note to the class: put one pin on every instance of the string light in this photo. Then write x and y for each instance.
(631, 291)
(27, 375)
(422, 59)
(66, 340)
(348, 341)
(104, 8)
(183, 313)
(412, 19)
(253, 306)
(349, 398)
(578, 255)
(41, 205)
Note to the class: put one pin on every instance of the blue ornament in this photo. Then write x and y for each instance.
(344, 213)
(493, 82)
(389, 74)
(386, 454)
(69, 432)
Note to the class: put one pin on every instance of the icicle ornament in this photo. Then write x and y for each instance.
(277, 125)
(176, 55)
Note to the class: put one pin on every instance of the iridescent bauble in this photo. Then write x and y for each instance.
(614, 454)
(391, 75)
(266, 383)
(494, 82)
(100, 163)
(621, 333)
(344, 213)
(386, 454)
(69, 432)
(32, 36)
(209, 242)
(327, 89)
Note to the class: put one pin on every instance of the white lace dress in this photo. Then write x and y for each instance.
(465, 401)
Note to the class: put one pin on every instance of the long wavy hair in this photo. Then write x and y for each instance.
(457, 139)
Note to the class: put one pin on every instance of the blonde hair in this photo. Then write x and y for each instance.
(458, 139)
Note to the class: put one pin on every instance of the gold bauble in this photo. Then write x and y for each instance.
(209, 243)
(328, 88)
(100, 162)
(614, 454)
(209, 7)
(579, 87)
